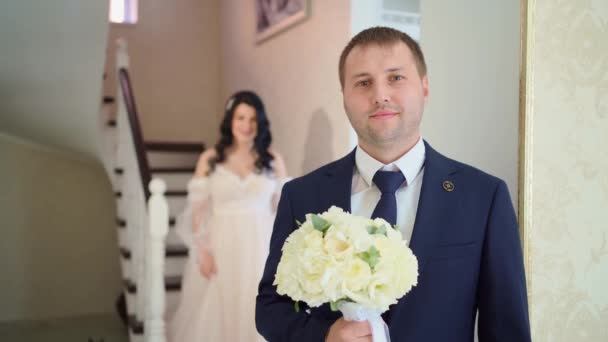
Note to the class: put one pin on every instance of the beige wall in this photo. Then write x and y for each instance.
(566, 181)
(296, 74)
(175, 68)
(51, 68)
(472, 51)
(58, 251)
(474, 87)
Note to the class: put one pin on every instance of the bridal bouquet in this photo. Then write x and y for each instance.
(358, 265)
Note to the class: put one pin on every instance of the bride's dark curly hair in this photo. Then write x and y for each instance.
(262, 139)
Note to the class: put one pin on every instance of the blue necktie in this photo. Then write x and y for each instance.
(388, 182)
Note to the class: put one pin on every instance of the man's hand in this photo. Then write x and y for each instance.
(206, 264)
(342, 331)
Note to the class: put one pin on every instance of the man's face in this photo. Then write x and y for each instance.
(384, 96)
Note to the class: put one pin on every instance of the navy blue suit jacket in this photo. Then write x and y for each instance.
(468, 248)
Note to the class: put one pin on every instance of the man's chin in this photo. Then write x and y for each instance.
(385, 137)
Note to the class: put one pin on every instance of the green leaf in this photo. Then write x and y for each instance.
(320, 223)
(334, 305)
(371, 257)
(376, 230)
(296, 306)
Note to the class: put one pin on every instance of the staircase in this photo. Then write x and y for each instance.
(174, 163)
(131, 163)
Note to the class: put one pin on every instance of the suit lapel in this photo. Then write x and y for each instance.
(337, 183)
(434, 205)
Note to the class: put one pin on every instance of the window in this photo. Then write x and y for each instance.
(123, 11)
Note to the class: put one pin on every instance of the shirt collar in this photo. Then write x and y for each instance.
(409, 164)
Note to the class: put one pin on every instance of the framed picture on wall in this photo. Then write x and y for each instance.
(274, 16)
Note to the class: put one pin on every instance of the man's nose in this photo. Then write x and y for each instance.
(381, 94)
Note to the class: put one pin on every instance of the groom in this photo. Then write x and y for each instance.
(460, 220)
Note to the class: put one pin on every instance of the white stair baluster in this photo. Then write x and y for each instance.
(158, 213)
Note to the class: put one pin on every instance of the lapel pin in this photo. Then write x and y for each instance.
(448, 186)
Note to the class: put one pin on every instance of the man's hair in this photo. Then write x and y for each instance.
(383, 36)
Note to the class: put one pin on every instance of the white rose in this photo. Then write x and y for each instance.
(313, 239)
(332, 280)
(357, 274)
(361, 239)
(396, 271)
(337, 244)
(381, 292)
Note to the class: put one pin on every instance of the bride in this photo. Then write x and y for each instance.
(227, 226)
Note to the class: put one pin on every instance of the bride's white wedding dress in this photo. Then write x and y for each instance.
(236, 218)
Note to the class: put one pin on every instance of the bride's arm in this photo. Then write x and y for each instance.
(280, 172)
(195, 216)
(191, 223)
(200, 200)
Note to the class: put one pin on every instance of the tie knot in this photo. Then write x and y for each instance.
(388, 181)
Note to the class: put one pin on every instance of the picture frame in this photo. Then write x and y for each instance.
(275, 16)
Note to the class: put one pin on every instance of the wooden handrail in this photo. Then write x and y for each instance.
(141, 147)
(138, 141)
(165, 146)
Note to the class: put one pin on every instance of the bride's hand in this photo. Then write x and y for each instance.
(206, 264)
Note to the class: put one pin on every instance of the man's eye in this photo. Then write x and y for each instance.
(364, 83)
(397, 78)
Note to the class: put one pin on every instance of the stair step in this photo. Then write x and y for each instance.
(175, 180)
(170, 159)
(122, 223)
(176, 251)
(172, 267)
(170, 251)
(184, 169)
(177, 202)
(168, 193)
(173, 283)
(136, 326)
(172, 300)
(174, 146)
(172, 239)
(176, 193)
(167, 169)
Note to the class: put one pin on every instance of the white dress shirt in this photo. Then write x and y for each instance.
(365, 194)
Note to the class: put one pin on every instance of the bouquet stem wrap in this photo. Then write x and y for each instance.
(357, 312)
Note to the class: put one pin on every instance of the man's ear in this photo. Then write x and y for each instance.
(425, 88)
